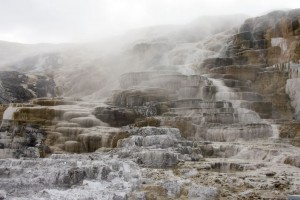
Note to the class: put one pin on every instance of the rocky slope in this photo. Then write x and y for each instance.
(228, 130)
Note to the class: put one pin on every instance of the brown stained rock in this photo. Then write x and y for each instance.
(281, 105)
(293, 160)
(185, 125)
(117, 137)
(252, 57)
(137, 97)
(155, 192)
(273, 56)
(51, 102)
(149, 121)
(100, 137)
(291, 130)
(34, 115)
(260, 44)
(116, 116)
(274, 24)
(269, 82)
(210, 63)
(72, 147)
(207, 150)
(90, 142)
(52, 138)
(242, 73)
(294, 51)
(284, 27)
(264, 109)
(242, 40)
(256, 35)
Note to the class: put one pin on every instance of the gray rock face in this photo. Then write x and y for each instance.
(68, 177)
(152, 146)
(203, 193)
(173, 188)
(292, 89)
(72, 177)
(293, 160)
(157, 141)
(19, 87)
(157, 158)
(115, 116)
(23, 142)
(139, 96)
(155, 137)
(150, 131)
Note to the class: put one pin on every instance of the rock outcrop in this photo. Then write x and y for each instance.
(16, 87)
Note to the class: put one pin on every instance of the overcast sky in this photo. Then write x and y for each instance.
(34, 21)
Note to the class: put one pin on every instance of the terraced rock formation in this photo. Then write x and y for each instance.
(229, 131)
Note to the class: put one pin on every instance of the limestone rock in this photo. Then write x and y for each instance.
(173, 188)
(116, 116)
(29, 115)
(72, 147)
(150, 131)
(19, 87)
(157, 141)
(202, 192)
(73, 114)
(52, 102)
(293, 160)
(149, 121)
(72, 177)
(157, 158)
(86, 121)
(139, 96)
(292, 89)
(235, 132)
(155, 192)
(99, 137)
(24, 141)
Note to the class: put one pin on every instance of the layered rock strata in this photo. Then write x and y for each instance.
(224, 133)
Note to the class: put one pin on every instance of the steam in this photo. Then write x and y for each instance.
(92, 70)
